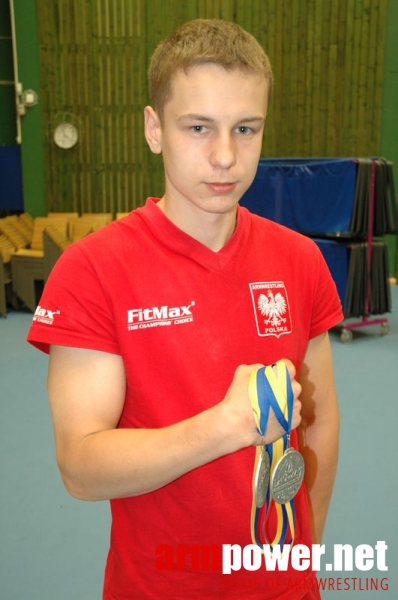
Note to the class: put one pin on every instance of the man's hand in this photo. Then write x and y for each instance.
(237, 403)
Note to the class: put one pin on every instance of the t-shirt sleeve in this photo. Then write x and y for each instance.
(75, 308)
(326, 308)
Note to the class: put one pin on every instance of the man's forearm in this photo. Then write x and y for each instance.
(320, 451)
(319, 429)
(99, 461)
(117, 463)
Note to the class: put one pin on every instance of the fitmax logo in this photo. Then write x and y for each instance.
(141, 318)
(43, 315)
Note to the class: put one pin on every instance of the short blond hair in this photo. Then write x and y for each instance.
(204, 41)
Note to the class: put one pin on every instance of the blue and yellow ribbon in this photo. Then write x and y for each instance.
(268, 389)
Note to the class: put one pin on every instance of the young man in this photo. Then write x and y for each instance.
(157, 323)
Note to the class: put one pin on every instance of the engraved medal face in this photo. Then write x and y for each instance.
(287, 476)
(261, 478)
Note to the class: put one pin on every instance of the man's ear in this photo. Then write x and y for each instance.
(153, 130)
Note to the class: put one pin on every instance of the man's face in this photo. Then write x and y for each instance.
(210, 137)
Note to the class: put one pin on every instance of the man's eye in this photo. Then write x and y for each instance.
(243, 129)
(198, 128)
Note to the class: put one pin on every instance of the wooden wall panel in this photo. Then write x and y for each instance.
(327, 57)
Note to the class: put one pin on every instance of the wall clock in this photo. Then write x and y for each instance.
(65, 135)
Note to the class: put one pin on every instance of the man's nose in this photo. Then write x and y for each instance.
(223, 151)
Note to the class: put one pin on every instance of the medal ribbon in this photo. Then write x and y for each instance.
(266, 389)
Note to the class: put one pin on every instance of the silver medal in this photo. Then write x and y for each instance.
(261, 478)
(287, 476)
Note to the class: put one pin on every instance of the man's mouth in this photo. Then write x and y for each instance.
(220, 187)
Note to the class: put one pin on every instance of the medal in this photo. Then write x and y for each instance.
(261, 478)
(279, 468)
(287, 476)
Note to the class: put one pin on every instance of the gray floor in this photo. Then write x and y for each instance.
(53, 547)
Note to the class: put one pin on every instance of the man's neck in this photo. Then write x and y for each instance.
(213, 230)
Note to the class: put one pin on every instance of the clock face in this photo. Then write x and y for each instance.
(65, 136)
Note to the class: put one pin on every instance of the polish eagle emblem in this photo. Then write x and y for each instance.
(273, 308)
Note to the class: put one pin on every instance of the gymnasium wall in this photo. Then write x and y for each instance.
(333, 61)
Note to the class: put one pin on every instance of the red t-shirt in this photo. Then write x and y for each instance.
(183, 318)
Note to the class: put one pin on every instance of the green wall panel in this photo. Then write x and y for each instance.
(7, 115)
(6, 62)
(31, 122)
(328, 64)
(7, 93)
(389, 121)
